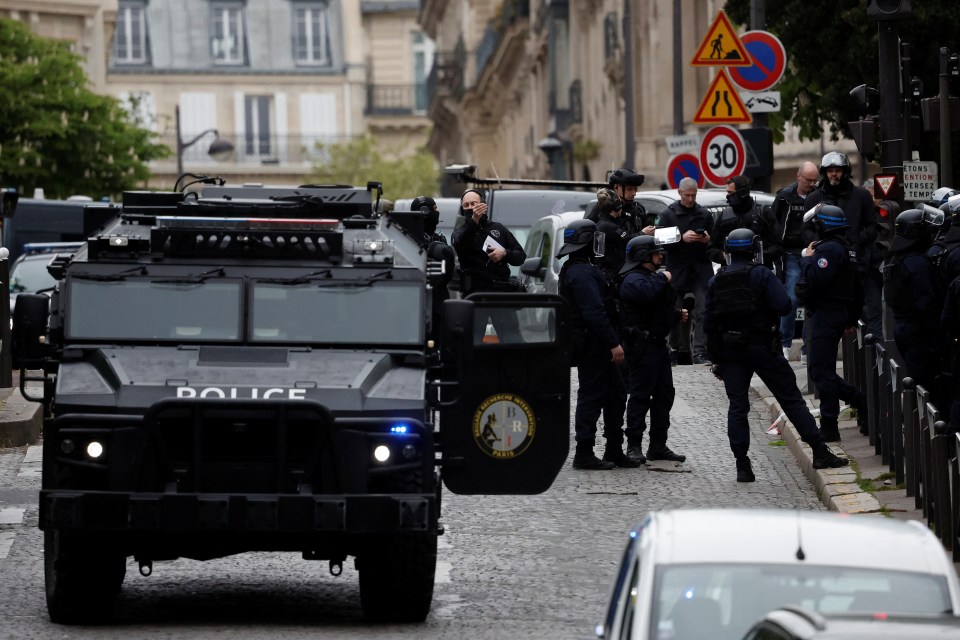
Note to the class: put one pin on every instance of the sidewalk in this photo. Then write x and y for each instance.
(842, 489)
(21, 420)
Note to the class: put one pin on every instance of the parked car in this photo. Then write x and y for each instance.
(28, 274)
(713, 573)
(797, 623)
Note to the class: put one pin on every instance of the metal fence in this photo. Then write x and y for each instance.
(907, 431)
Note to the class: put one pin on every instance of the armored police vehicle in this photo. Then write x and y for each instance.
(258, 369)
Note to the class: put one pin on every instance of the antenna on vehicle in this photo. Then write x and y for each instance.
(800, 554)
(495, 174)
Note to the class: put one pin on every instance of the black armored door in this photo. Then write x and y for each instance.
(505, 420)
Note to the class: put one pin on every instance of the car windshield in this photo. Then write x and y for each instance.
(30, 275)
(299, 310)
(722, 601)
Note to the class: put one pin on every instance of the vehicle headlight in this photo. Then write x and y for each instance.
(381, 453)
(94, 449)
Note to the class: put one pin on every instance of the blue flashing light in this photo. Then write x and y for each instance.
(634, 534)
(400, 428)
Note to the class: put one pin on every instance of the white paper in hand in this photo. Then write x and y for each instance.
(490, 243)
(667, 235)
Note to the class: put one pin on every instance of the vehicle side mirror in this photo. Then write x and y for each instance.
(532, 267)
(29, 330)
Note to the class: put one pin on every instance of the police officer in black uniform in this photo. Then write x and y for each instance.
(437, 249)
(835, 301)
(950, 325)
(912, 290)
(744, 213)
(944, 252)
(486, 250)
(744, 305)
(597, 353)
(648, 310)
(618, 227)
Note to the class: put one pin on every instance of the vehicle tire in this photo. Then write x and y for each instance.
(396, 577)
(397, 571)
(83, 575)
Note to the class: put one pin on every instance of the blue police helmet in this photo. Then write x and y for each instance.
(639, 251)
(577, 235)
(828, 218)
(741, 241)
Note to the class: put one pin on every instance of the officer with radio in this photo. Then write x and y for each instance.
(648, 310)
(742, 318)
(834, 298)
(596, 349)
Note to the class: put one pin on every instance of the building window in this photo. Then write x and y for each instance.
(423, 49)
(130, 41)
(228, 42)
(258, 134)
(311, 34)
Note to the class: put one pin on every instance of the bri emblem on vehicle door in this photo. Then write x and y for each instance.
(504, 425)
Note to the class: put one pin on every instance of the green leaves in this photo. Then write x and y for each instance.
(55, 132)
(362, 159)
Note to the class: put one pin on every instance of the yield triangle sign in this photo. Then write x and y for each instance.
(721, 47)
(722, 104)
(885, 183)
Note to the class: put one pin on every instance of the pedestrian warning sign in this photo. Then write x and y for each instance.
(721, 47)
(722, 104)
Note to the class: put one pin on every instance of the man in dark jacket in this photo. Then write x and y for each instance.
(837, 188)
(744, 213)
(689, 265)
(744, 302)
(835, 301)
(788, 209)
(486, 250)
(887, 211)
(624, 182)
(596, 349)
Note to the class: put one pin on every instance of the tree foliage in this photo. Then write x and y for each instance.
(832, 47)
(361, 160)
(55, 132)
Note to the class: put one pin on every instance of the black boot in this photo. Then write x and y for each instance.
(745, 470)
(615, 455)
(635, 452)
(663, 452)
(823, 458)
(585, 459)
(829, 429)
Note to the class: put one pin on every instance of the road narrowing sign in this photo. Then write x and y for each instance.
(722, 104)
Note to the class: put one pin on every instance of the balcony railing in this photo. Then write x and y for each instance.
(396, 99)
(511, 12)
(260, 149)
(446, 75)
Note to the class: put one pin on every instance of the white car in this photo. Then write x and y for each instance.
(713, 573)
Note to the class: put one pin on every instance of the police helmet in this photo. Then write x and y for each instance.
(835, 159)
(639, 251)
(427, 206)
(828, 218)
(626, 178)
(577, 235)
(941, 196)
(420, 202)
(915, 226)
(742, 241)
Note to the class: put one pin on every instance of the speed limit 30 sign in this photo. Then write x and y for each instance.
(722, 154)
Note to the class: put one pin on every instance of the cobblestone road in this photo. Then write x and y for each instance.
(510, 567)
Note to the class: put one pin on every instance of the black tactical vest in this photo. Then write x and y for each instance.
(736, 305)
(896, 293)
(655, 316)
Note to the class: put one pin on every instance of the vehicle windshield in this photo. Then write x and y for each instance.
(722, 601)
(365, 311)
(350, 312)
(30, 275)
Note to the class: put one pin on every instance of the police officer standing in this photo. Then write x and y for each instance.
(437, 249)
(834, 300)
(617, 227)
(912, 290)
(597, 353)
(624, 182)
(648, 308)
(744, 212)
(744, 305)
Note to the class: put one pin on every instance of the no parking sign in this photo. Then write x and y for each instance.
(684, 165)
(769, 62)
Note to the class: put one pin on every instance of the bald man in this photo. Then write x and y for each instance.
(789, 207)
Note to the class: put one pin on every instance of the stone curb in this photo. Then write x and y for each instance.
(838, 488)
(21, 421)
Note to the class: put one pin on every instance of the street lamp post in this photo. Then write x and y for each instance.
(220, 149)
